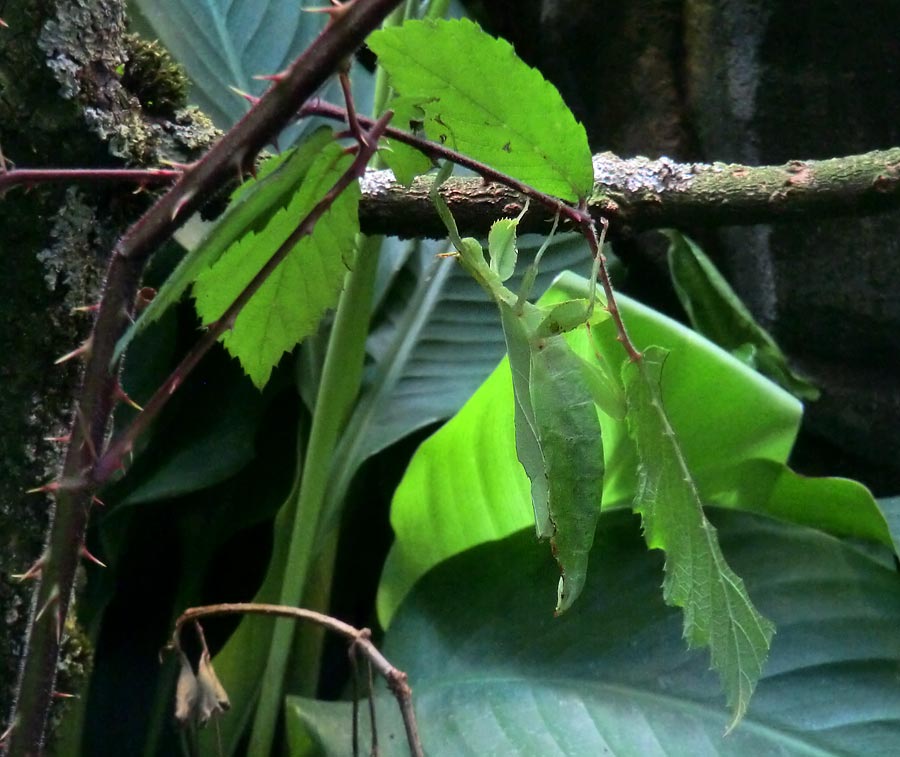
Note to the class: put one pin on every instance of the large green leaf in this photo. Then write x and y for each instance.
(450, 500)
(288, 306)
(493, 673)
(718, 612)
(481, 99)
(226, 43)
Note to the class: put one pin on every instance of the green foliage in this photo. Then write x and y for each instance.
(718, 612)
(512, 119)
(223, 44)
(718, 313)
(449, 501)
(288, 306)
(493, 673)
(253, 206)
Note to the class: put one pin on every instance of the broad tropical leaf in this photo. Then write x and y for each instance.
(493, 673)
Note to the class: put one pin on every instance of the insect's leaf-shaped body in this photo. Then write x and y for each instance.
(568, 432)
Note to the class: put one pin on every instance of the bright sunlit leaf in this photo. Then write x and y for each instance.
(480, 98)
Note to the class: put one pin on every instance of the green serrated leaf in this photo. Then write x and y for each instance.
(718, 612)
(288, 306)
(717, 312)
(482, 99)
(252, 206)
(406, 162)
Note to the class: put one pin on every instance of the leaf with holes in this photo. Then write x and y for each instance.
(484, 101)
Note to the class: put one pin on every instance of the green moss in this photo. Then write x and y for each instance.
(151, 75)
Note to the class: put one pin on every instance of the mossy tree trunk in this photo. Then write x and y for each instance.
(62, 104)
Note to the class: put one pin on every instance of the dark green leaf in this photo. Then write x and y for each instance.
(717, 312)
(492, 673)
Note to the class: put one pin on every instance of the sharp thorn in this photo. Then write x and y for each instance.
(53, 598)
(33, 572)
(86, 308)
(122, 396)
(176, 165)
(97, 501)
(49, 488)
(64, 695)
(246, 95)
(59, 439)
(9, 729)
(83, 349)
(88, 556)
(5, 26)
(274, 78)
(182, 202)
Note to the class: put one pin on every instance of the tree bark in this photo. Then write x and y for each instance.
(63, 104)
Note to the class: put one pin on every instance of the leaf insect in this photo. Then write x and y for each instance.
(558, 434)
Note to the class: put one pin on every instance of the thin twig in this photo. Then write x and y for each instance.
(395, 678)
(26, 177)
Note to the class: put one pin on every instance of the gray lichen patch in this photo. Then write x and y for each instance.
(69, 263)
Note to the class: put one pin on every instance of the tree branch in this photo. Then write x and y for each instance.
(638, 194)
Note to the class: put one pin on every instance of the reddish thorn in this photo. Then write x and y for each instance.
(49, 488)
(86, 308)
(88, 556)
(173, 164)
(54, 597)
(121, 396)
(351, 149)
(179, 206)
(275, 78)
(59, 439)
(173, 386)
(5, 26)
(33, 572)
(336, 10)
(246, 95)
(97, 501)
(64, 695)
(84, 349)
(5, 735)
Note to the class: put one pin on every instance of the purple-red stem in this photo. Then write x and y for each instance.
(18, 177)
(578, 217)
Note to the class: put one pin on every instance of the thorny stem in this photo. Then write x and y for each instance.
(111, 460)
(361, 639)
(437, 151)
(577, 216)
(26, 177)
(232, 154)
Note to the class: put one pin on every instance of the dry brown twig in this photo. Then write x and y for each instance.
(359, 638)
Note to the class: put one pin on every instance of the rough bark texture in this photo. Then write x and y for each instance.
(61, 104)
(758, 82)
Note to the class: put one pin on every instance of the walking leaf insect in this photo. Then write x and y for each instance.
(558, 436)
